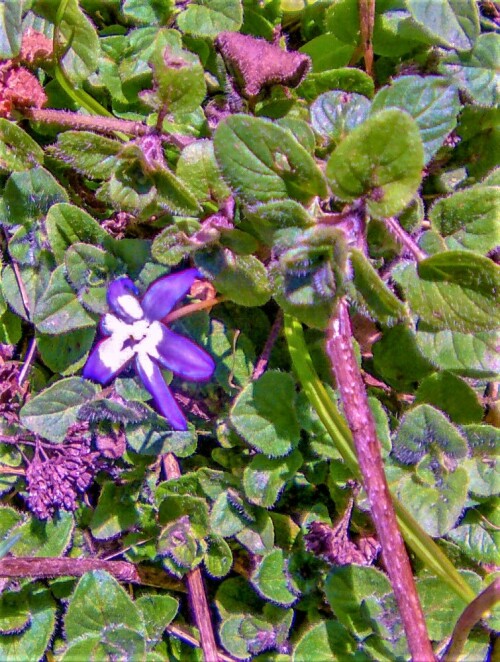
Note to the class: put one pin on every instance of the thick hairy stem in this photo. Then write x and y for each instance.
(41, 568)
(99, 124)
(196, 589)
(354, 399)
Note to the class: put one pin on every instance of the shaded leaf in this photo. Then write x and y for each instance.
(453, 23)
(18, 151)
(51, 412)
(207, 18)
(264, 478)
(335, 113)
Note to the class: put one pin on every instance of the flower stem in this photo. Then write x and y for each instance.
(359, 417)
(196, 589)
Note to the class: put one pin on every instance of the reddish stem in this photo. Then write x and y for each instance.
(100, 124)
(196, 589)
(41, 568)
(261, 364)
(354, 399)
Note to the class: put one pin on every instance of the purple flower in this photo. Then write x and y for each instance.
(135, 332)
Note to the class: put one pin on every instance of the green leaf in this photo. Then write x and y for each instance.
(58, 310)
(206, 18)
(10, 328)
(431, 101)
(33, 642)
(271, 581)
(269, 218)
(453, 23)
(476, 72)
(327, 52)
(381, 302)
(219, 558)
(151, 12)
(18, 151)
(437, 502)
(478, 536)
(198, 169)
(269, 424)
(348, 587)
(10, 28)
(179, 78)
(66, 224)
(172, 194)
(441, 607)
(100, 603)
(334, 114)
(115, 642)
(41, 539)
(382, 159)
(398, 359)
(258, 536)
(225, 520)
(14, 613)
(482, 467)
(456, 291)
(29, 195)
(327, 640)
(242, 279)
(89, 270)
(158, 438)
(173, 507)
(51, 412)
(347, 79)
(88, 153)
(65, 353)
(158, 611)
(264, 162)
(116, 512)
(265, 478)
(468, 220)
(77, 33)
(452, 395)
(425, 430)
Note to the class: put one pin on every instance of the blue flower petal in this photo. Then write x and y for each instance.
(121, 296)
(164, 293)
(183, 357)
(106, 360)
(151, 377)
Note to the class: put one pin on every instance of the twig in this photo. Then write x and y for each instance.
(404, 238)
(100, 124)
(354, 399)
(57, 567)
(261, 364)
(366, 22)
(196, 590)
(469, 617)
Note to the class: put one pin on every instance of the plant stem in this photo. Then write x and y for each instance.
(359, 417)
(100, 124)
(392, 224)
(469, 617)
(196, 589)
(40, 568)
(366, 10)
(261, 364)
